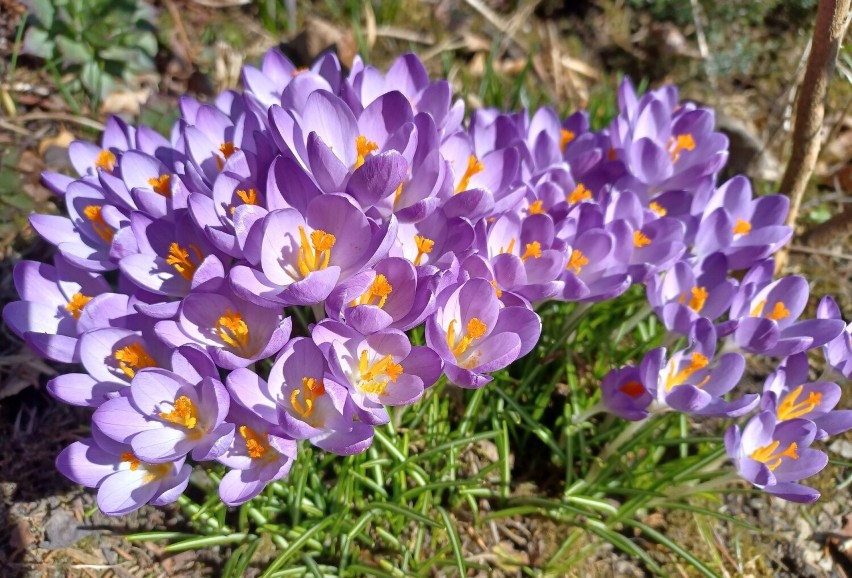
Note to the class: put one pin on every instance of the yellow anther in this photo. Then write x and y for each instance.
(683, 142)
(742, 227)
(227, 149)
(184, 413)
(94, 214)
(76, 305)
(180, 259)
(131, 459)
(632, 388)
(397, 194)
(106, 161)
(773, 458)
(696, 363)
(509, 249)
(566, 137)
(698, 296)
(657, 209)
(474, 166)
(789, 409)
(232, 330)
(577, 261)
(424, 247)
(580, 193)
(475, 330)
(371, 375)
(248, 197)
(532, 250)
(311, 390)
(316, 253)
(133, 358)
(256, 445)
(497, 290)
(379, 290)
(536, 208)
(363, 147)
(640, 239)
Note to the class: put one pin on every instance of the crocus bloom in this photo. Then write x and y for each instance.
(378, 370)
(164, 417)
(312, 406)
(235, 333)
(125, 483)
(623, 394)
(789, 395)
(89, 159)
(838, 351)
(775, 456)
(474, 335)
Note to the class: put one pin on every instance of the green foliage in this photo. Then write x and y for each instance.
(99, 41)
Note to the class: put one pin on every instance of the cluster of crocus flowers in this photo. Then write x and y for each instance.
(365, 199)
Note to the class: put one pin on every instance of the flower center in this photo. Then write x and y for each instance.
(577, 261)
(697, 299)
(184, 414)
(532, 250)
(683, 142)
(657, 209)
(106, 161)
(424, 247)
(475, 330)
(384, 367)
(742, 227)
(779, 311)
(76, 305)
(180, 259)
(580, 193)
(474, 166)
(247, 197)
(227, 149)
(256, 445)
(537, 208)
(314, 254)
(311, 390)
(379, 290)
(566, 137)
(789, 409)
(633, 389)
(771, 457)
(95, 216)
(363, 147)
(640, 239)
(697, 362)
(161, 185)
(133, 358)
(131, 459)
(232, 330)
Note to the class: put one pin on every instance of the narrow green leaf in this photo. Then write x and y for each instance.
(454, 542)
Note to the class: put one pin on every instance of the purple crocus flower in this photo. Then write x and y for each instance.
(392, 294)
(89, 159)
(235, 333)
(681, 296)
(768, 315)
(746, 230)
(125, 483)
(165, 417)
(428, 241)
(775, 456)
(691, 382)
(146, 184)
(596, 267)
(300, 258)
(474, 335)
(311, 405)
(838, 351)
(623, 394)
(789, 395)
(378, 370)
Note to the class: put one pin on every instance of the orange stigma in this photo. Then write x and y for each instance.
(789, 409)
(378, 290)
(311, 390)
(580, 193)
(256, 445)
(316, 253)
(683, 142)
(424, 247)
(184, 413)
(657, 209)
(133, 358)
(633, 389)
(363, 147)
(383, 367)
(696, 363)
(180, 259)
(95, 216)
(131, 459)
(773, 458)
(161, 185)
(742, 227)
(76, 304)
(640, 239)
(696, 300)
(474, 166)
(536, 208)
(532, 250)
(475, 330)
(577, 261)
(227, 149)
(233, 331)
(106, 161)
(566, 136)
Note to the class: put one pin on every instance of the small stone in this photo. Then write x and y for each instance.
(62, 530)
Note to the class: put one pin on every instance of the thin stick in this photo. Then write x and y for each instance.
(810, 108)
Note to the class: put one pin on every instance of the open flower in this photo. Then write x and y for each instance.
(775, 456)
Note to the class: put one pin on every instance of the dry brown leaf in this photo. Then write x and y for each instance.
(128, 102)
(61, 140)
